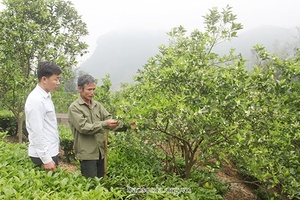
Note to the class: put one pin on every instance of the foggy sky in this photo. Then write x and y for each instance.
(103, 16)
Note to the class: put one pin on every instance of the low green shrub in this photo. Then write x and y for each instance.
(20, 179)
(8, 122)
(66, 142)
(133, 173)
(136, 167)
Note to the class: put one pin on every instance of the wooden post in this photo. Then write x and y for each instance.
(105, 153)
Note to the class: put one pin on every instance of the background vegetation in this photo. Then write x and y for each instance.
(32, 31)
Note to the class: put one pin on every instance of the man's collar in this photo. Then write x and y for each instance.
(43, 92)
(81, 101)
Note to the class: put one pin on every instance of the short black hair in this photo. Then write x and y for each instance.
(47, 69)
(85, 79)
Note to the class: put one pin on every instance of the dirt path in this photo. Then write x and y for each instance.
(238, 189)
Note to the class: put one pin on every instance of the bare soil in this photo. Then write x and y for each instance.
(69, 167)
(238, 188)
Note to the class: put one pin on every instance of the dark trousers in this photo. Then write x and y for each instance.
(39, 162)
(92, 168)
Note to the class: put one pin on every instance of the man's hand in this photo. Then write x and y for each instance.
(111, 123)
(51, 166)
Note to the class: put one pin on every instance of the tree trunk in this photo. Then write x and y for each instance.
(105, 154)
(20, 120)
(188, 167)
(189, 162)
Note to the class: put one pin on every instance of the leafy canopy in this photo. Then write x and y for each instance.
(31, 31)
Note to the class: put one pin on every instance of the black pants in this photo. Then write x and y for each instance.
(39, 162)
(92, 168)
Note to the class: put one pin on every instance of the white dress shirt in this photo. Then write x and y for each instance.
(41, 125)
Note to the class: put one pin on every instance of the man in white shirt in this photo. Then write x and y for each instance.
(41, 122)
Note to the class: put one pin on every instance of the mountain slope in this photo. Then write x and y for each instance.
(274, 39)
(122, 53)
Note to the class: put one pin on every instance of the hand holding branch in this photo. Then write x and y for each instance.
(111, 124)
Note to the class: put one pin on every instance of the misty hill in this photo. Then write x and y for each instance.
(121, 53)
(275, 39)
